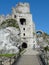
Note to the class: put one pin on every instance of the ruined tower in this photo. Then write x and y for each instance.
(27, 27)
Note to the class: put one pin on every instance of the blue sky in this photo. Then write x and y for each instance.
(38, 8)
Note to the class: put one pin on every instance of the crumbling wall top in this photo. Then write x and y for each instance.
(23, 4)
(22, 8)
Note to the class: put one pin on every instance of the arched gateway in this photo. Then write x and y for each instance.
(24, 45)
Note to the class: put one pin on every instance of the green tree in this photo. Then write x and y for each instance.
(9, 23)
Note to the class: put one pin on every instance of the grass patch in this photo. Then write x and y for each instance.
(9, 23)
(7, 55)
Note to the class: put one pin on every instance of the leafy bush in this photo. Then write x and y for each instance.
(9, 23)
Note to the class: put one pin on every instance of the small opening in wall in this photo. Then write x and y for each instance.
(24, 34)
(23, 28)
(23, 21)
(14, 16)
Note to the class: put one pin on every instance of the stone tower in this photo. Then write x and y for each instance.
(22, 14)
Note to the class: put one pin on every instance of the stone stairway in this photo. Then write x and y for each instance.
(30, 57)
(28, 60)
(30, 51)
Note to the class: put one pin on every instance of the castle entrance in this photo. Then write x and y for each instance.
(24, 45)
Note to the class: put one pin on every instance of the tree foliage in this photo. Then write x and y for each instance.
(9, 23)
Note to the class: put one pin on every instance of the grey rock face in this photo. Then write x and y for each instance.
(8, 40)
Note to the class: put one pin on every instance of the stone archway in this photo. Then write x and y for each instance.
(24, 45)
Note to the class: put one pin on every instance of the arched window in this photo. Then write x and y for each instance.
(23, 21)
